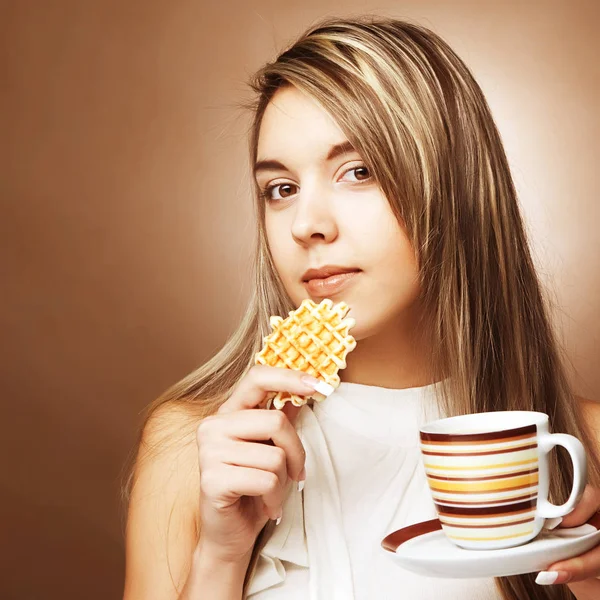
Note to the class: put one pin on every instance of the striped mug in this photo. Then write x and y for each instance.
(488, 474)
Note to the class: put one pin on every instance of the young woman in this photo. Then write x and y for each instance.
(375, 153)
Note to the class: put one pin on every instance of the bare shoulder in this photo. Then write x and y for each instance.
(162, 519)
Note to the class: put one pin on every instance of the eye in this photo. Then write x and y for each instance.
(266, 194)
(364, 170)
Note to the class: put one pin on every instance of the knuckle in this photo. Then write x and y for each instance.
(255, 372)
(201, 431)
(204, 426)
(280, 459)
(574, 566)
(207, 455)
(280, 420)
(208, 483)
(271, 482)
(578, 565)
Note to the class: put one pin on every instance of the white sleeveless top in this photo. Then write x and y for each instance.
(364, 480)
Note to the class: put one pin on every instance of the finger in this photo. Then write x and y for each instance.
(292, 411)
(256, 456)
(261, 381)
(256, 425)
(578, 568)
(586, 507)
(228, 483)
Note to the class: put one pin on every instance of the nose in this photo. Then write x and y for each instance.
(314, 218)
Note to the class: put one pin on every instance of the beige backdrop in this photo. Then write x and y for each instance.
(126, 223)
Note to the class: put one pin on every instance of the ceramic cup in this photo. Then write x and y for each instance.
(488, 474)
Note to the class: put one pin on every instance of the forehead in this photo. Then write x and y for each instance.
(294, 119)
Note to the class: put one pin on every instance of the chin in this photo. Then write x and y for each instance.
(375, 319)
(362, 330)
(367, 323)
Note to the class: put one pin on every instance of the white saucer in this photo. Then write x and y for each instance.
(423, 548)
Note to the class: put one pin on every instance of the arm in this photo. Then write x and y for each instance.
(224, 580)
(164, 560)
(168, 555)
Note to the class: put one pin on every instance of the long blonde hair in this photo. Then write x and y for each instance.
(420, 122)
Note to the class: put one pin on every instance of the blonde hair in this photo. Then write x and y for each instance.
(420, 122)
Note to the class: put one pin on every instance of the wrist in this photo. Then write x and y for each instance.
(214, 577)
(209, 557)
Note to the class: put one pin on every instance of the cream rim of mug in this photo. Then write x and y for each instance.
(480, 422)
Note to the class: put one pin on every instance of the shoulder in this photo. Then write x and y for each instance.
(167, 448)
(170, 427)
(162, 519)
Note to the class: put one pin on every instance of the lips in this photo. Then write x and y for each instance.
(327, 271)
(328, 286)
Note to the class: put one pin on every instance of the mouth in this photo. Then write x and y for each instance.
(326, 286)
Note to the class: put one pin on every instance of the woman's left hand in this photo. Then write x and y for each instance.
(582, 572)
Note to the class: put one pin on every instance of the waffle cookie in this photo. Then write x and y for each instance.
(314, 339)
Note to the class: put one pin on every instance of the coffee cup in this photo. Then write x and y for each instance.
(488, 475)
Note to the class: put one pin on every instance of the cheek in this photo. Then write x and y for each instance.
(391, 295)
(402, 268)
(281, 250)
(390, 249)
(395, 272)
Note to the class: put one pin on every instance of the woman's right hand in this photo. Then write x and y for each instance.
(243, 480)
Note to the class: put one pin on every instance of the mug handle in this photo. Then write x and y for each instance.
(577, 452)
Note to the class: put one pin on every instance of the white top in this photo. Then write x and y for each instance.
(364, 480)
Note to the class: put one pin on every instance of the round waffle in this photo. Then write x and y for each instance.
(314, 339)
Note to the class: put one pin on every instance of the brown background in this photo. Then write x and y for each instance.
(126, 222)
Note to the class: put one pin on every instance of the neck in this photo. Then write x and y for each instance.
(395, 357)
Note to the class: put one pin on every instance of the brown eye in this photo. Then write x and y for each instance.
(284, 191)
(361, 173)
(364, 171)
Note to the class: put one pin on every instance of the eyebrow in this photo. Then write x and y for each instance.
(272, 165)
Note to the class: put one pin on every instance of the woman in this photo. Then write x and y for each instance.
(374, 151)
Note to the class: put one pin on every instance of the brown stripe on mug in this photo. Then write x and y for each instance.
(481, 442)
(505, 509)
(501, 451)
(484, 478)
(506, 434)
(502, 502)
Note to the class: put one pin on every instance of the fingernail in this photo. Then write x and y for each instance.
(280, 515)
(546, 577)
(552, 577)
(316, 384)
(552, 523)
(301, 479)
